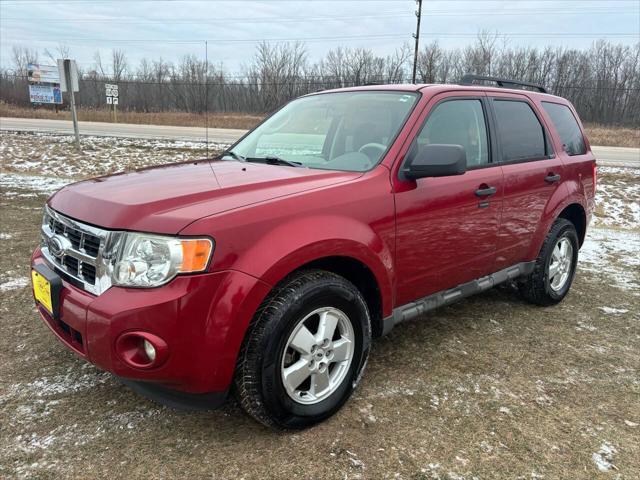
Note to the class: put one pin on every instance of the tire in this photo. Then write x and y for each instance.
(548, 285)
(271, 349)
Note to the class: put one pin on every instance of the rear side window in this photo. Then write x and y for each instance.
(567, 127)
(521, 134)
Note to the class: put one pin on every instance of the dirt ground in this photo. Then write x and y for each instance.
(488, 388)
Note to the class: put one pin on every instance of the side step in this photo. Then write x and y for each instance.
(447, 297)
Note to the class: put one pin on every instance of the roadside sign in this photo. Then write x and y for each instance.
(73, 74)
(111, 90)
(43, 73)
(45, 94)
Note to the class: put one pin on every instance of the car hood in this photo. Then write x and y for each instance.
(167, 198)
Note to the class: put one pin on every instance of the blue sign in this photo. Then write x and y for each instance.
(45, 94)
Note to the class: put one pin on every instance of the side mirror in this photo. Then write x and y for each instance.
(437, 161)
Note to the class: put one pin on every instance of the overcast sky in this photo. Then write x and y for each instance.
(173, 28)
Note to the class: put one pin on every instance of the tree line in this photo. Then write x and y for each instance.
(602, 81)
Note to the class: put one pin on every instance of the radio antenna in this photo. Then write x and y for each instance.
(206, 96)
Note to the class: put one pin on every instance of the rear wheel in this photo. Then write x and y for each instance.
(555, 266)
(304, 352)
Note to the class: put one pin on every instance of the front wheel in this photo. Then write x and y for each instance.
(555, 266)
(304, 352)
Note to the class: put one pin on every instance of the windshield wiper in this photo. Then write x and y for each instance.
(232, 154)
(271, 160)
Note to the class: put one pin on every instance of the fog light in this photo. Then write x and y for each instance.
(142, 349)
(149, 350)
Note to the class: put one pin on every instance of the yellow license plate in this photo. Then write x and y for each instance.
(42, 290)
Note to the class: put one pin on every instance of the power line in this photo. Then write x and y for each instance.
(434, 13)
(334, 38)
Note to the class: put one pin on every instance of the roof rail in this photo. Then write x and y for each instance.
(470, 79)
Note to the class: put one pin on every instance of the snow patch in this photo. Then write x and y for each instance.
(613, 311)
(603, 458)
(614, 254)
(14, 284)
(585, 326)
(19, 181)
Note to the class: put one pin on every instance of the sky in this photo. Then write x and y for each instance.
(173, 28)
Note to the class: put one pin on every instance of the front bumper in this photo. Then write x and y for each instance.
(202, 318)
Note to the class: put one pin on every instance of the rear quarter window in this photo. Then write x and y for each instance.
(567, 127)
(521, 134)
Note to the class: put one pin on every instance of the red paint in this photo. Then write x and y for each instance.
(415, 237)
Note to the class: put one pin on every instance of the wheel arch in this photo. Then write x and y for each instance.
(576, 214)
(358, 273)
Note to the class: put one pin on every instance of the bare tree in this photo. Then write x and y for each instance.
(61, 51)
(603, 81)
(22, 57)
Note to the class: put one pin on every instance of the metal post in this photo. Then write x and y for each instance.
(417, 37)
(206, 96)
(72, 100)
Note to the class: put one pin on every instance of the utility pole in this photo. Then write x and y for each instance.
(417, 37)
(206, 96)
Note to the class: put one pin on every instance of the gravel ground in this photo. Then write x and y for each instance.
(488, 388)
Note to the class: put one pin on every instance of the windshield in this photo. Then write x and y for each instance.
(348, 131)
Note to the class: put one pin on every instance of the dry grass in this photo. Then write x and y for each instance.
(181, 119)
(488, 388)
(607, 136)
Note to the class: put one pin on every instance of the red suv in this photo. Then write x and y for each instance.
(269, 269)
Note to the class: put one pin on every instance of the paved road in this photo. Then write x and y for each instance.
(609, 156)
(126, 130)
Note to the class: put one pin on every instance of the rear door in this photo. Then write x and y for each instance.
(447, 227)
(532, 173)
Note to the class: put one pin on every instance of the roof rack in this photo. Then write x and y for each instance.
(501, 82)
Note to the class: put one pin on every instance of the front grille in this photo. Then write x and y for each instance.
(82, 241)
(80, 255)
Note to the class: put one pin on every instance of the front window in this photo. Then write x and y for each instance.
(458, 122)
(349, 131)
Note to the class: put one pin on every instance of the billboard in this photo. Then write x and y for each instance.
(43, 73)
(45, 94)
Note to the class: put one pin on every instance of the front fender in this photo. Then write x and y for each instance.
(304, 240)
(271, 239)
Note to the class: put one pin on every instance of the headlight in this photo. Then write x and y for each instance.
(143, 260)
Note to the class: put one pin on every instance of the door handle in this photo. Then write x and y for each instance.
(552, 178)
(485, 191)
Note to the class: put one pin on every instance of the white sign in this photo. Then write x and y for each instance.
(45, 94)
(43, 73)
(73, 72)
(111, 90)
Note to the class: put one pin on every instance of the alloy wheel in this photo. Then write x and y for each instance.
(317, 355)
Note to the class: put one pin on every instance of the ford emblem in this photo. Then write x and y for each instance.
(58, 246)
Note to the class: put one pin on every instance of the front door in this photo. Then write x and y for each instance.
(447, 226)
